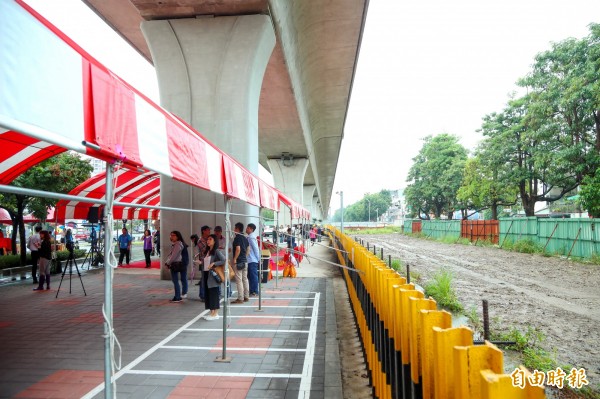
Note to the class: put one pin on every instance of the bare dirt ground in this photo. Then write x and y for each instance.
(559, 297)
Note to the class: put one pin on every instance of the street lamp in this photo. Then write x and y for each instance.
(341, 193)
(377, 217)
(369, 209)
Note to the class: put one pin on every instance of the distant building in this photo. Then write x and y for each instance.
(395, 213)
(98, 164)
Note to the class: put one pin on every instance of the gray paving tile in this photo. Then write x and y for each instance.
(74, 329)
(266, 394)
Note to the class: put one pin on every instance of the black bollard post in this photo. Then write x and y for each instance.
(390, 260)
(407, 273)
(486, 321)
(381, 253)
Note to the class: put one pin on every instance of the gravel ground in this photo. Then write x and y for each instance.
(559, 297)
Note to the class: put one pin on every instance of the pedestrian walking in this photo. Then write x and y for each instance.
(313, 235)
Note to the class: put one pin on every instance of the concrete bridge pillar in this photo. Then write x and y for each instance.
(307, 198)
(288, 176)
(316, 209)
(210, 73)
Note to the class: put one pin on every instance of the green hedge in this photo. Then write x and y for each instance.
(8, 261)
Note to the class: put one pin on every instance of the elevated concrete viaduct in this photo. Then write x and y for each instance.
(268, 82)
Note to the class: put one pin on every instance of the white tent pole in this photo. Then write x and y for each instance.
(191, 264)
(108, 275)
(277, 253)
(227, 281)
(260, 260)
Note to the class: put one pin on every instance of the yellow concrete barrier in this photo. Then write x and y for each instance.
(416, 334)
(429, 320)
(468, 362)
(405, 295)
(435, 360)
(444, 341)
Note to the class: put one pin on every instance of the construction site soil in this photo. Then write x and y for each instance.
(556, 296)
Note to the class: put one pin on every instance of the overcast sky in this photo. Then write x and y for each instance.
(425, 68)
(434, 67)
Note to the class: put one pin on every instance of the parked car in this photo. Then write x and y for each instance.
(268, 232)
(80, 236)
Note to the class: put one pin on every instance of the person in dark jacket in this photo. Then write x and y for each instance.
(290, 240)
(45, 253)
(211, 258)
(175, 265)
(69, 242)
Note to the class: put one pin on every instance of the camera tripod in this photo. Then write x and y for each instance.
(95, 255)
(70, 262)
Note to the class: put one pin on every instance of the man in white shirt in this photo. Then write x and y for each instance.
(34, 243)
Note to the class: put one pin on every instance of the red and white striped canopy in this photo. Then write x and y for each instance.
(6, 219)
(60, 98)
(130, 186)
(18, 153)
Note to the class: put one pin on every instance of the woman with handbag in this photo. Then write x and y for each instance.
(175, 264)
(211, 259)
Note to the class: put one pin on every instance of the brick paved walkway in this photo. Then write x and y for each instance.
(53, 347)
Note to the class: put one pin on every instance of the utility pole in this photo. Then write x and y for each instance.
(341, 193)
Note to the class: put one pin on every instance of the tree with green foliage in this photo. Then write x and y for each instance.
(268, 215)
(563, 116)
(589, 194)
(359, 211)
(522, 151)
(60, 174)
(484, 184)
(379, 202)
(436, 176)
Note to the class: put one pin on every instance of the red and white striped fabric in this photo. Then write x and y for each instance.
(6, 219)
(18, 153)
(287, 201)
(144, 213)
(295, 211)
(59, 97)
(269, 197)
(240, 183)
(53, 91)
(129, 186)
